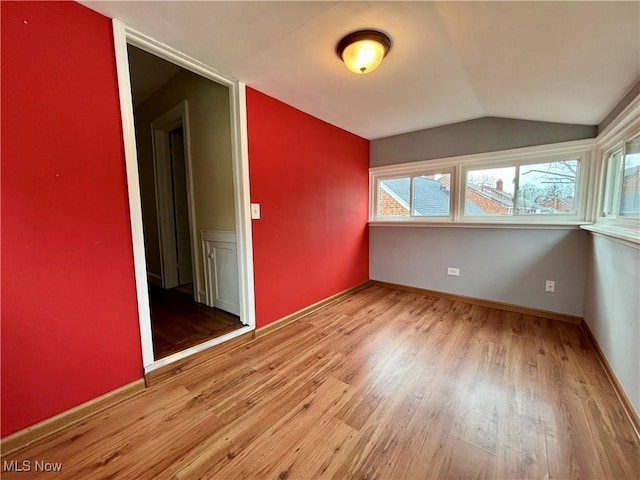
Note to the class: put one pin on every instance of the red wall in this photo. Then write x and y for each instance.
(69, 318)
(311, 180)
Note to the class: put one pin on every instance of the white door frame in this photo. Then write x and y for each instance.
(124, 35)
(160, 130)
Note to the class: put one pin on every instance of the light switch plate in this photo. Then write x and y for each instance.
(255, 211)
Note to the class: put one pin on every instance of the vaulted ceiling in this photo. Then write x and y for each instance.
(568, 62)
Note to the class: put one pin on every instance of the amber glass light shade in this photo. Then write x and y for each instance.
(363, 51)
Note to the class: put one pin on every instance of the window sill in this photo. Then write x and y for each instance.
(525, 226)
(625, 236)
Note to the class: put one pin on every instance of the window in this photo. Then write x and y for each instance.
(621, 196)
(489, 191)
(618, 212)
(431, 195)
(393, 197)
(414, 196)
(630, 201)
(527, 189)
(548, 188)
(531, 185)
(616, 199)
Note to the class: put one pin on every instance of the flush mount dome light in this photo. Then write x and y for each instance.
(362, 51)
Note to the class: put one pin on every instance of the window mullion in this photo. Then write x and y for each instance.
(411, 196)
(457, 193)
(617, 185)
(516, 188)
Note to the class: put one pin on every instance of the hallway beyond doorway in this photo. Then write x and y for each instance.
(177, 322)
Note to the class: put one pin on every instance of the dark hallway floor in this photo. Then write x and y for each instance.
(178, 322)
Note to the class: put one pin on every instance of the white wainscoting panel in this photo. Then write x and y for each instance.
(220, 253)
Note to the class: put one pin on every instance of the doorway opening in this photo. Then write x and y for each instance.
(183, 133)
(175, 209)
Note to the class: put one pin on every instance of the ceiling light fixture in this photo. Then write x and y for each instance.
(362, 51)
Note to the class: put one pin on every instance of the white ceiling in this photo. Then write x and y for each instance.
(567, 62)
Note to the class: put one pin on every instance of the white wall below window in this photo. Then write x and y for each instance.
(503, 265)
(612, 309)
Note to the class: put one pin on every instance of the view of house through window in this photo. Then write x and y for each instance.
(430, 196)
(540, 188)
(622, 188)
(489, 191)
(614, 164)
(630, 201)
(547, 187)
(423, 196)
(393, 197)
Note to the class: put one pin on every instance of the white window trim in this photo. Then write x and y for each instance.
(581, 149)
(412, 218)
(624, 126)
(584, 157)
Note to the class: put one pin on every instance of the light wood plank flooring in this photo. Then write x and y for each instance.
(383, 384)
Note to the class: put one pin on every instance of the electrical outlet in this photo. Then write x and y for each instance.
(550, 286)
(455, 272)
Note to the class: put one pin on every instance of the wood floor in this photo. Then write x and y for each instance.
(177, 322)
(383, 384)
